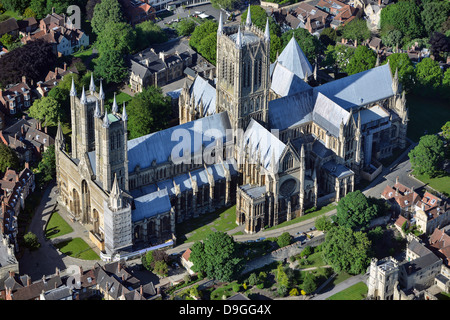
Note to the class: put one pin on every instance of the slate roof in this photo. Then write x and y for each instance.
(261, 141)
(329, 114)
(203, 91)
(359, 89)
(158, 146)
(253, 191)
(337, 170)
(285, 82)
(150, 205)
(8, 26)
(293, 58)
(418, 264)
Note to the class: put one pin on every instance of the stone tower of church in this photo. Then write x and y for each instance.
(111, 147)
(242, 67)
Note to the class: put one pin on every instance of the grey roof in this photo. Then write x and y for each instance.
(58, 293)
(299, 107)
(139, 69)
(247, 37)
(328, 114)
(285, 82)
(261, 141)
(253, 191)
(371, 114)
(205, 92)
(158, 146)
(337, 170)
(361, 88)
(320, 150)
(151, 205)
(293, 58)
(418, 248)
(418, 264)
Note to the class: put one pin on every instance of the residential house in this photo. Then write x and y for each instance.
(432, 212)
(160, 65)
(27, 138)
(15, 188)
(439, 242)
(9, 26)
(185, 262)
(342, 13)
(27, 25)
(312, 18)
(16, 98)
(53, 78)
(401, 198)
(137, 11)
(23, 289)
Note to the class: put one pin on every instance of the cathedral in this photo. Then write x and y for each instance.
(262, 135)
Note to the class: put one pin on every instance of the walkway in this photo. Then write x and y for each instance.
(47, 258)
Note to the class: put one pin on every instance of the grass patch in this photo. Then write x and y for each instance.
(356, 292)
(13, 14)
(221, 220)
(308, 216)
(57, 226)
(440, 183)
(121, 97)
(426, 114)
(314, 260)
(77, 248)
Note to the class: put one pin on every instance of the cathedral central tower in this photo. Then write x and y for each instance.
(243, 64)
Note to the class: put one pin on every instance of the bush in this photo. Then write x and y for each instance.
(31, 241)
(284, 239)
(294, 292)
(236, 287)
(253, 279)
(308, 250)
(282, 291)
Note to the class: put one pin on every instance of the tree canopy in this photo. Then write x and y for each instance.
(427, 155)
(8, 158)
(405, 67)
(346, 250)
(428, 74)
(434, 14)
(217, 256)
(355, 30)
(118, 36)
(111, 66)
(355, 211)
(204, 40)
(107, 11)
(148, 111)
(148, 33)
(363, 59)
(46, 110)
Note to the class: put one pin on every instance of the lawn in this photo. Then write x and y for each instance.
(121, 97)
(13, 14)
(77, 248)
(426, 115)
(198, 228)
(307, 216)
(440, 183)
(356, 292)
(57, 226)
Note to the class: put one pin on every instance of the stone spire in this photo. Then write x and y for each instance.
(239, 38)
(124, 113)
(220, 28)
(97, 112)
(106, 122)
(73, 91)
(267, 32)
(115, 195)
(92, 84)
(115, 107)
(248, 22)
(59, 139)
(101, 93)
(83, 98)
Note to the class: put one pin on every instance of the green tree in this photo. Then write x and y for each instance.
(282, 277)
(39, 7)
(355, 211)
(29, 13)
(253, 279)
(356, 30)
(208, 48)
(405, 67)
(161, 268)
(185, 27)
(16, 5)
(427, 155)
(323, 223)
(8, 158)
(428, 75)
(111, 67)
(346, 250)
(47, 165)
(117, 36)
(446, 130)
(363, 59)
(218, 256)
(328, 37)
(309, 283)
(107, 11)
(284, 239)
(46, 110)
(31, 241)
(392, 38)
(434, 14)
(6, 40)
(148, 33)
(148, 111)
(201, 32)
(403, 16)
